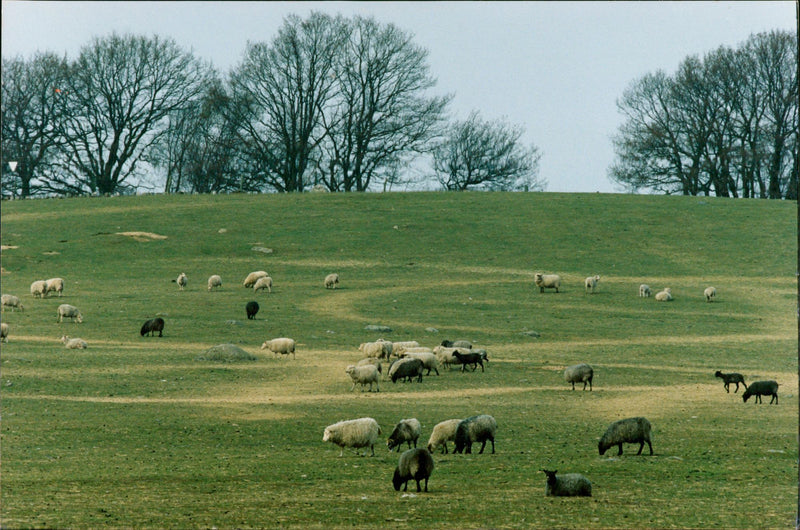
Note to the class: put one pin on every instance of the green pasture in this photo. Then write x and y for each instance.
(137, 433)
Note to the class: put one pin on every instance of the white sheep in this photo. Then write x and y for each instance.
(364, 374)
(265, 282)
(428, 358)
(443, 432)
(251, 278)
(380, 349)
(644, 291)
(399, 346)
(69, 311)
(372, 361)
(579, 373)
(281, 345)
(3, 332)
(710, 293)
(362, 432)
(55, 285)
(590, 283)
(214, 281)
(74, 344)
(549, 281)
(665, 295)
(445, 354)
(39, 289)
(9, 300)
(331, 281)
(181, 280)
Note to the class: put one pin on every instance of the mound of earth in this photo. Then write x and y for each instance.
(226, 353)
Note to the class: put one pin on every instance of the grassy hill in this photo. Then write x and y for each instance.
(136, 432)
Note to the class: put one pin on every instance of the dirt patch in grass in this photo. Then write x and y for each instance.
(142, 236)
(7, 247)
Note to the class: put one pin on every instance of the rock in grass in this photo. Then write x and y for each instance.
(226, 353)
(380, 329)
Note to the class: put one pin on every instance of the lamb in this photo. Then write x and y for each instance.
(547, 281)
(264, 282)
(475, 429)
(644, 291)
(428, 358)
(69, 311)
(331, 281)
(55, 285)
(380, 349)
(9, 300)
(629, 430)
(3, 332)
(567, 485)
(405, 431)
(367, 373)
(251, 278)
(457, 344)
(181, 280)
(727, 379)
(251, 308)
(355, 434)
(153, 325)
(665, 295)
(580, 373)
(472, 358)
(280, 345)
(406, 368)
(710, 293)
(39, 289)
(443, 432)
(445, 355)
(762, 388)
(414, 464)
(214, 281)
(590, 283)
(74, 344)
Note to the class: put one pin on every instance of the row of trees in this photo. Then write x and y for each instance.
(726, 124)
(345, 104)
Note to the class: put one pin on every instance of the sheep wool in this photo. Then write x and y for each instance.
(262, 283)
(281, 345)
(644, 291)
(55, 285)
(214, 281)
(69, 311)
(567, 485)
(407, 431)
(665, 295)
(631, 431)
(153, 325)
(442, 433)
(3, 332)
(363, 375)
(251, 278)
(727, 379)
(251, 308)
(181, 280)
(580, 373)
(762, 388)
(457, 344)
(414, 464)
(481, 428)
(39, 289)
(74, 344)
(590, 283)
(406, 368)
(354, 434)
(710, 293)
(428, 358)
(331, 281)
(9, 300)
(547, 281)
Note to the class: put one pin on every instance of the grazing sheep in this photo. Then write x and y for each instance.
(280, 345)
(39, 289)
(181, 280)
(475, 429)
(251, 308)
(69, 311)
(445, 355)
(428, 358)
(443, 432)
(665, 295)
(380, 349)
(406, 368)
(214, 281)
(547, 281)
(400, 346)
(644, 291)
(331, 281)
(580, 373)
(3, 332)
(55, 285)
(405, 431)
(629, 430)
(710, 293)
(414, 464)
(567, 485)
(9, 300)
(727, 379)
(355, 434)
(153, 325)
(373, 362)
(74, 344)
(457, 344)
(263, 283)
(762, 388)
(366, 373)
(472, 358)
(590, 283)
(251, 278)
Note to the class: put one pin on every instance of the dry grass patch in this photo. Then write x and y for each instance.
(142, 236)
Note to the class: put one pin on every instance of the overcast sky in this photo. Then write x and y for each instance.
(556, 68)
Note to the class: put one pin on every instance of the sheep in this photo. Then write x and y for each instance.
(362, 375)
(280, 345)
(251, 308)
(374, 362)
(442, 433)
(629, 430)
(580, 373)
(9, 300)
(251, 278)
(762, 388)
(457, 344)
(590, 283)
(181, 280)
(400, 346)
(710, 293)
(69, 311)
(475, 429)
(362, 432)
(331, 281)
(731, 378)
(380, 349)
(567, 485)
(39, 289)
(74, 344)
(428, 358)
(665, 295)
(405, 431)
(153, 325)
(55, 285)
(472, 358)
(214, 281)
(414, 464)
(3, 332)
(406, 368)
(445, 355)
(644, 291)
(263, 283)
(549, 281)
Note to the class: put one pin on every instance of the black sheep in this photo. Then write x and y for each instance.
(153, 325)
(252, 309)
(731, 378)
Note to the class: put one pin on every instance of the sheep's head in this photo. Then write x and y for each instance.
(265, 345)
(551, 475)
(397, 480)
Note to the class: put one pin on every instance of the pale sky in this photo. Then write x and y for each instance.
(555, 68)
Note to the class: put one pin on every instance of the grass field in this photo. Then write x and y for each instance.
(135, 432)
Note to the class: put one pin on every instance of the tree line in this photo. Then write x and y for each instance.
(342, 104)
